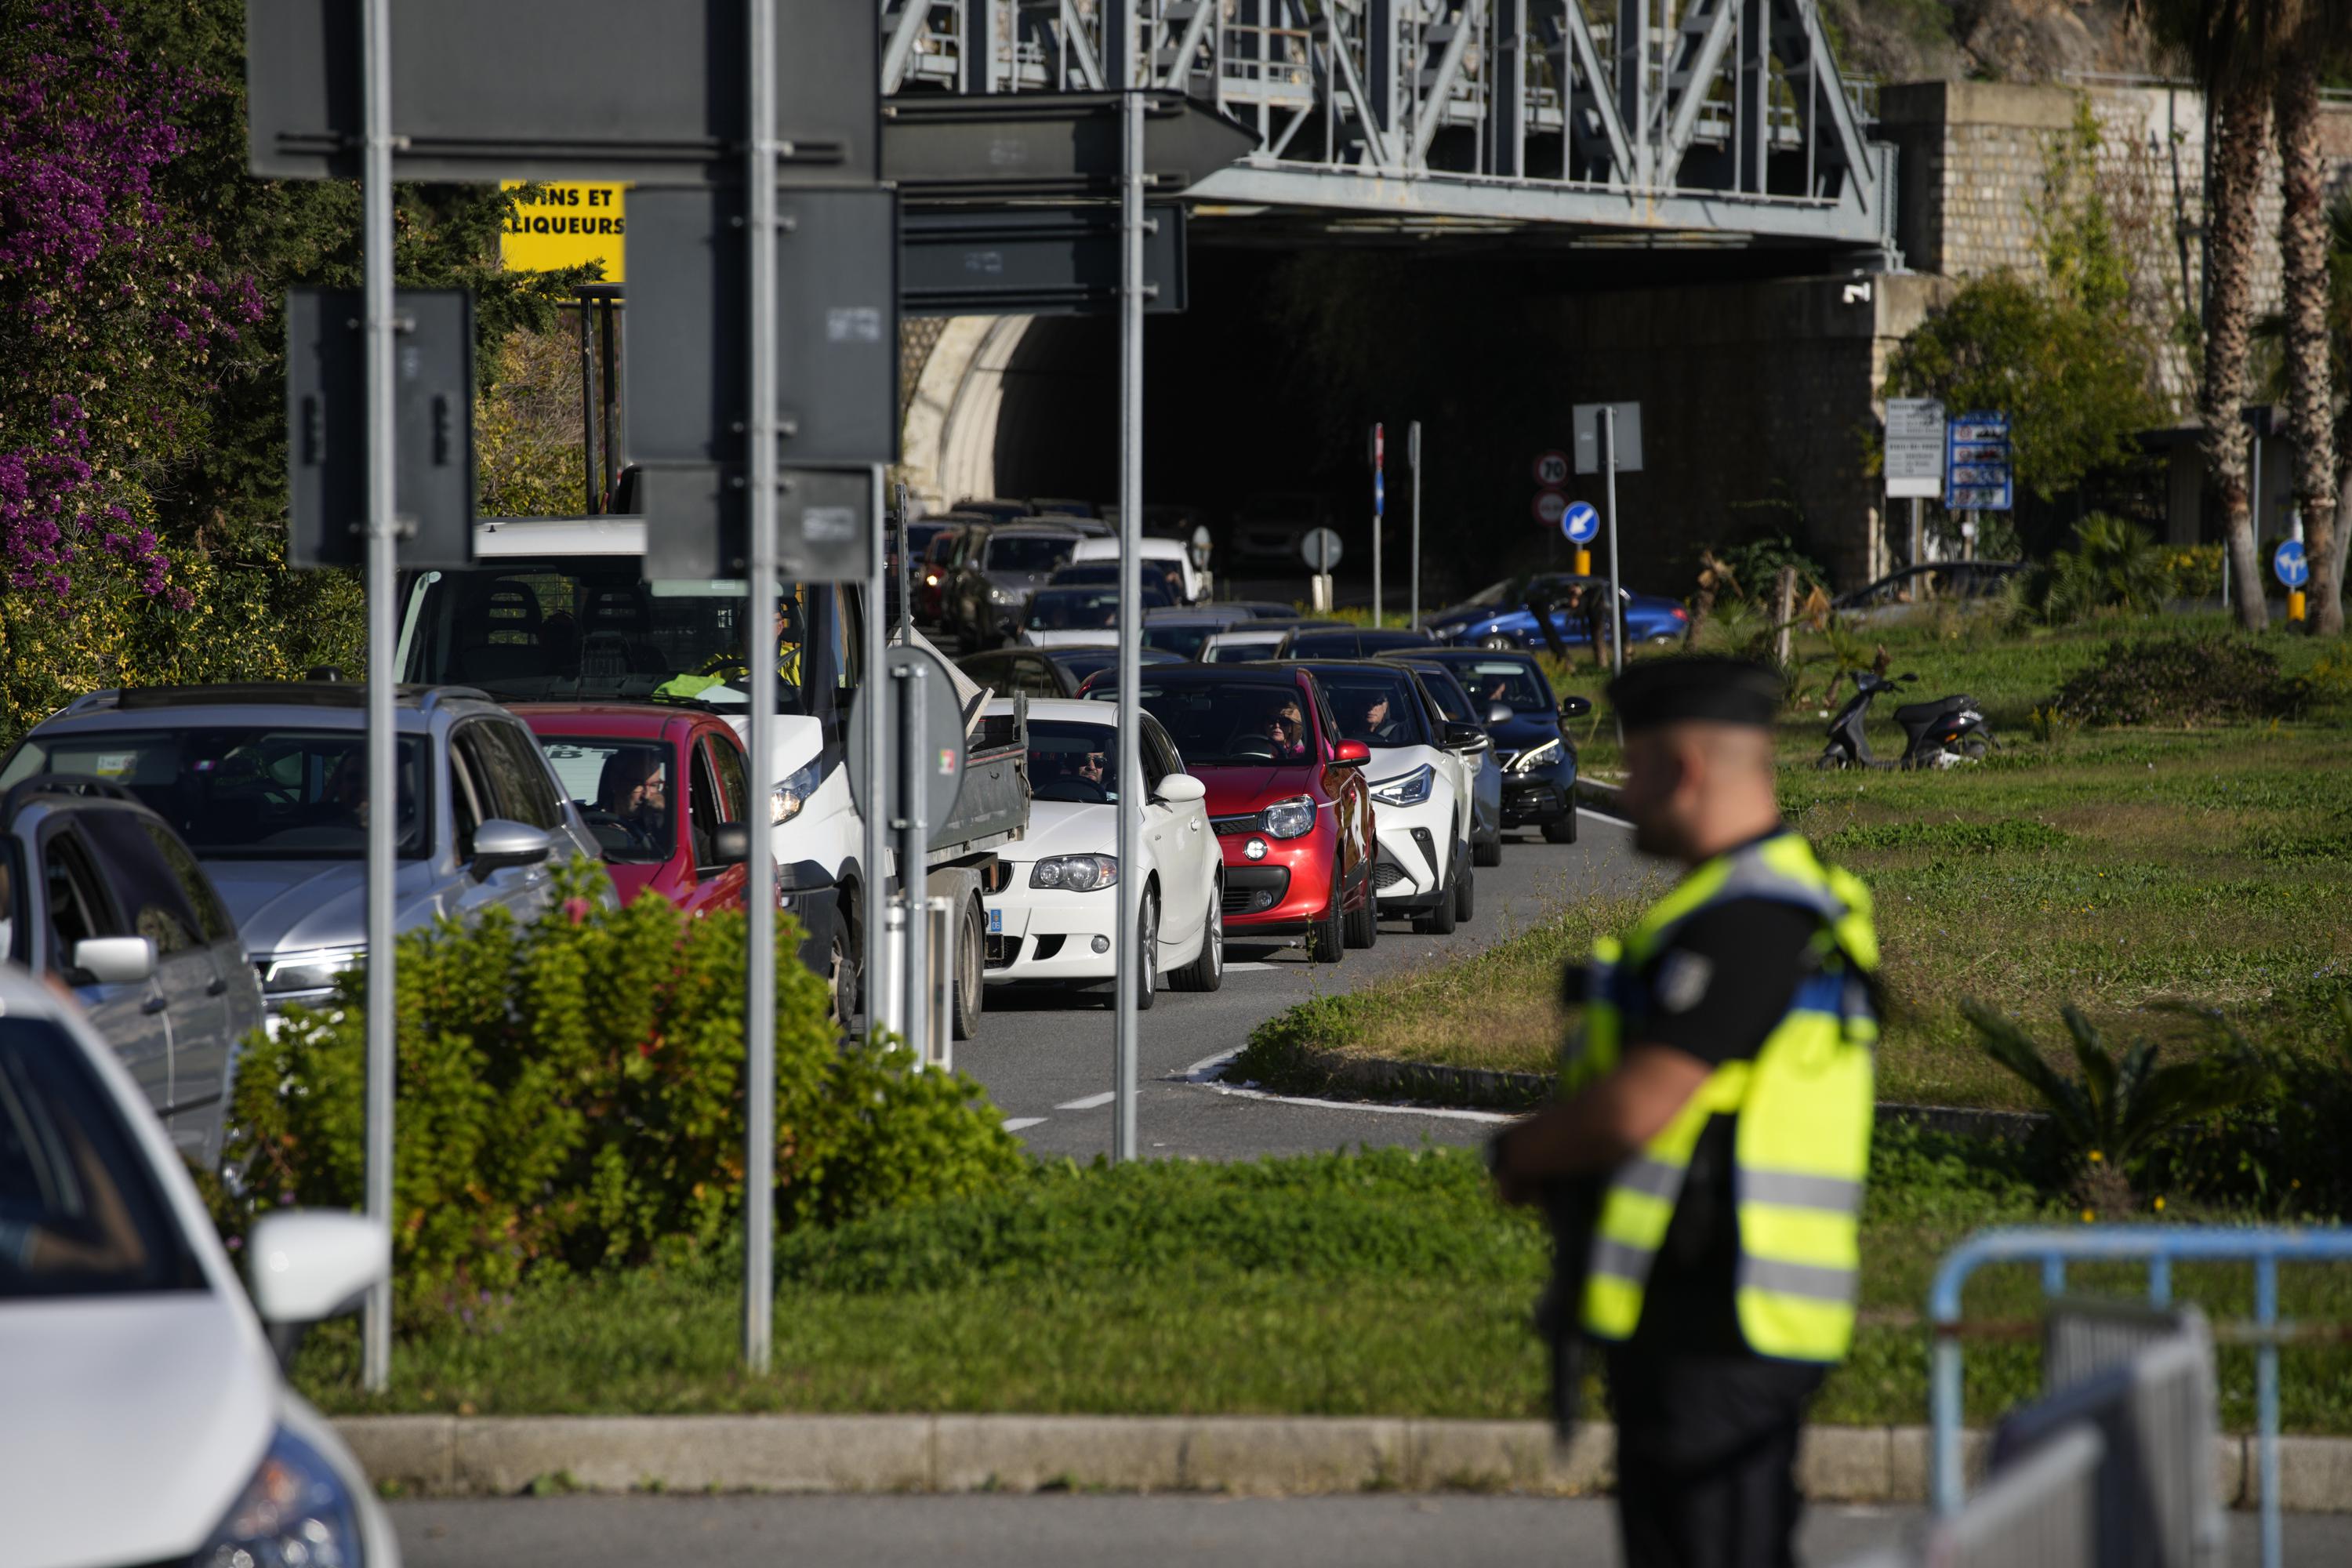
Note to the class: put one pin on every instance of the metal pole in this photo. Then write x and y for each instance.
(1380, 510)
(2266, 1409)
(1915, 533)
(383, 572)
(1129, 959)
(1616, 594)
(608, 436)
(1413, 454)
(914, 845)
(872, 850)
(591, 491)
(760, 650)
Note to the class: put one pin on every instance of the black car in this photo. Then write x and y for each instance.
(1352, 642)
(1960, 579)
(1523, 719)
(1486, 775)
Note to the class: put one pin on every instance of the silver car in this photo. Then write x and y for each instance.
(266, 784)
(97, 893)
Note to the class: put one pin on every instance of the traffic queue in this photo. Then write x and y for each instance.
(189, 862)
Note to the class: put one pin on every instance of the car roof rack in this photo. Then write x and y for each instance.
(84, 785)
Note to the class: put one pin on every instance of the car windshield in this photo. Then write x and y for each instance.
(1513, 593)
(1234, 722)
(1027, 552)
(1071, 761)
(1082, 662)
(527, 632)
(1514, 681)
(1241, 652)
(1323, 645)
(1086, 573)
(1080, 609)
(1452, 700)
(1183, 641)
(622, 788)
(242, 794)
(80, 1211)
(1378, 706)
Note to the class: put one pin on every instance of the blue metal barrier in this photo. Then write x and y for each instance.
(2160, 1247)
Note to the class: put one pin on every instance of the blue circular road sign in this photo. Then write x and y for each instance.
(2293, 568)
(1581, 523)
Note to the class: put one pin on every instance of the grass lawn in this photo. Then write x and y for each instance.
(2120, 870)
(1382, 1283)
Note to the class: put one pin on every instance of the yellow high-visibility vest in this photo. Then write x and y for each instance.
(1804, 1103)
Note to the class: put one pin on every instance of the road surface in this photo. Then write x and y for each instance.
(1044, 1053)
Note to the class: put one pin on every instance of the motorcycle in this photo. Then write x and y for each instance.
(1940, 733)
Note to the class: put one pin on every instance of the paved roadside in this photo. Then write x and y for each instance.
(1046, 1530)
(1046, 1053)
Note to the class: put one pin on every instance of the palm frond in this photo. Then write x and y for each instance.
(2007, 1044)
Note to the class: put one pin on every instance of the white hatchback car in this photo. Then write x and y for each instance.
(1057, 915)
(1421, 784)
(146, 1418)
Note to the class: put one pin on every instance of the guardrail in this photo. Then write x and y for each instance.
(2160, 1247)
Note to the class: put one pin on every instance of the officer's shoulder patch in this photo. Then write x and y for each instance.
(1682, 980)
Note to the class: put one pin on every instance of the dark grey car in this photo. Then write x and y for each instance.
(985, 595)
(265, 783)
(98, 893)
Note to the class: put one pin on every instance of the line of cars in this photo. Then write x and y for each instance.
(1326, 778)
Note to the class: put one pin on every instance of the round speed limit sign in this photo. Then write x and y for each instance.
(1550, 507)
(1551, 470)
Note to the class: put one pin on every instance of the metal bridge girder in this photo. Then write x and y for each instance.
(1730, 112)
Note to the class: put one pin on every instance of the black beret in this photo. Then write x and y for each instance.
(1705, 687)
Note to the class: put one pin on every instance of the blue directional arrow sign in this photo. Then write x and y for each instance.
(1581, 523)
(2293, 567)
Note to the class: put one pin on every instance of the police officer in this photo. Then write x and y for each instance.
(1721, 1095)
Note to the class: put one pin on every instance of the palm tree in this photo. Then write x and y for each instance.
(2220, 39)
(2308, 33)
(2273, 329)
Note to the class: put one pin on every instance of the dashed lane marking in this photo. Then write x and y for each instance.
(1088, 1103)
(1016, 1123)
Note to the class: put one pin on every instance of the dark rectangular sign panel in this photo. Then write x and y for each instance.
(620, 90)
(1033, 261)
(326, 427)
(1046, 144)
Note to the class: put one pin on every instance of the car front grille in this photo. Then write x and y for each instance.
(1224, 825)
(999, 950)
(1387, 874)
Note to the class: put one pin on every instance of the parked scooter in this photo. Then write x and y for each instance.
(1940, 733)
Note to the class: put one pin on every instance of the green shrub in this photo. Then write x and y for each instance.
(570, 1096)
(2183, 680)
(2114, 566)
(2282, 1153)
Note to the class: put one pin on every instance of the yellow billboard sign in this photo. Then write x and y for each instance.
(565, 224)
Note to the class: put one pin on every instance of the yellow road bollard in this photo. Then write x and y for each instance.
(1584, 563)
(2295, 604)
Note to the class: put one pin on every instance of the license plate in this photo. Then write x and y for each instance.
(996, 922)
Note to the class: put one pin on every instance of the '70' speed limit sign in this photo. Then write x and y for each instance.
(1551, 469)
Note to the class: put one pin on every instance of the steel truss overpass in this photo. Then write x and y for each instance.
(1690, 122)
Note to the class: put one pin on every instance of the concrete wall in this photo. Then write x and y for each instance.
(1750, 393)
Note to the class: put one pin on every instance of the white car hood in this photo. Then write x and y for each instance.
(1066, 827)
(1081, 636)
(132, 1424)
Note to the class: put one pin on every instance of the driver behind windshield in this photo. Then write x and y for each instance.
(632, 790)
(1286, 728)
(1379, 723)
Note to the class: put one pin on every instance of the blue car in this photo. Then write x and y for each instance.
(1531, 743)
(1498, 617)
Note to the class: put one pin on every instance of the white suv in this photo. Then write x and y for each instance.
(147, 1421)
(1421, 784)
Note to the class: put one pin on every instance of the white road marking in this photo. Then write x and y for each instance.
(1247, 966)
(1206, 1067)
(1014, 1124)
(1447, 1112)
(1088, 1103)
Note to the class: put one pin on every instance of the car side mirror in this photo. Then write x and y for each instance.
(501, 842)
(731, 844)
(1498, 713)
(1181, 789)
(1575, 707)
(1460, 737)
(305, 1266)
(115, 960)
(1352, 755)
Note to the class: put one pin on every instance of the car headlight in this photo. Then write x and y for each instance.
(1074, 873)
(295, 1512)
(1290, 818)
(1002, 596)
(1405, 789)
(1535, 757)
(315, 970)
(786, 801)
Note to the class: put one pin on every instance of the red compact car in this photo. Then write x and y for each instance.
(1287, 796)
(657, 786)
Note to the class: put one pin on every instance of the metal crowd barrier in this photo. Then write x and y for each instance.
(2039, 1513)
(2096, 1343)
